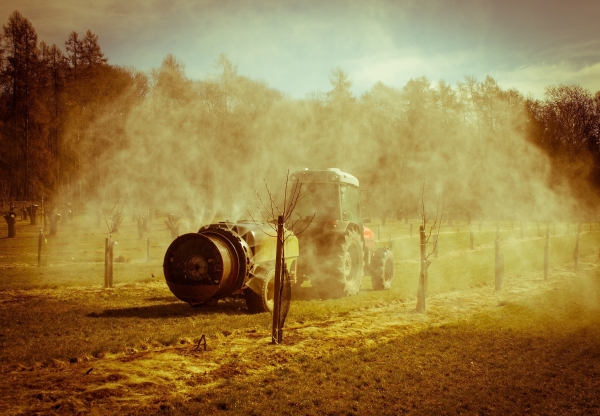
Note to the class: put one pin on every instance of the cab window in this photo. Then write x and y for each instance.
(350, 203)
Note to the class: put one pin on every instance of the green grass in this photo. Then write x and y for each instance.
(535, 355)
(527, 357)
(87, 320)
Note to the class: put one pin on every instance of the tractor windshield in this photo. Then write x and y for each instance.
(319, 199)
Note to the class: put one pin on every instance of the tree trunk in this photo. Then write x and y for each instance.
(421, 293)
(54, 218)
(576, 250)
(499, 266)
(32, 210)
(40, 241)
(11, 219)
(276, 335)
(109, 245)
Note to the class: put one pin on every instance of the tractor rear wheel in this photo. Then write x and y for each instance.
(382, 269)
(348, 262)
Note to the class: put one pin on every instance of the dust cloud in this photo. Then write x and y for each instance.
(202, 148)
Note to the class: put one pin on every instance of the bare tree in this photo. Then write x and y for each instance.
(112, 215)
(276, 218)
(425, 235)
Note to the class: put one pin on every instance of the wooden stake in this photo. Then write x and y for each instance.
(40, 241)
(276, 335)
(546, 247)
(471, 238)
(576, 251)
(499, 266)
(108, 262)
(521, 230)
(421, 293)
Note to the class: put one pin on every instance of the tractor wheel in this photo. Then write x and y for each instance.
(382, 269)
(264, 302)
(347, 273)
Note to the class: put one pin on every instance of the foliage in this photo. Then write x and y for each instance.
(73, 125)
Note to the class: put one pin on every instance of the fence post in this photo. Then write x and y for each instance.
(546, 247)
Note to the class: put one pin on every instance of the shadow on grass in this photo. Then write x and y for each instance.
(163, 299)
(173, 310)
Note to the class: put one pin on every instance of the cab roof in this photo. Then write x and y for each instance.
(329, 175)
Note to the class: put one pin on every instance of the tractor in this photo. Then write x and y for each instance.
(237, 259)
(336, 249)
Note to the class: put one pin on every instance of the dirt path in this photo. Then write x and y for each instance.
(152, 379)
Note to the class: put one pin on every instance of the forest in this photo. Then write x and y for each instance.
(76, 129)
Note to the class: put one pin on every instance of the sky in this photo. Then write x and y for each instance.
(294, 45)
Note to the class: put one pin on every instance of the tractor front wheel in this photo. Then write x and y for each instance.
(264, 301)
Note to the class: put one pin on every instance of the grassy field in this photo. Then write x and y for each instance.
(68, 345)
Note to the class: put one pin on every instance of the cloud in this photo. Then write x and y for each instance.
(534, 79)
(293, 45)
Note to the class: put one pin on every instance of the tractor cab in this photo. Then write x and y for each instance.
(328, 195)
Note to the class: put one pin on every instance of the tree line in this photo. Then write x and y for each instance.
(74, 127)
(49, 99)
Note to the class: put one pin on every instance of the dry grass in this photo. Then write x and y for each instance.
(67, 345)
